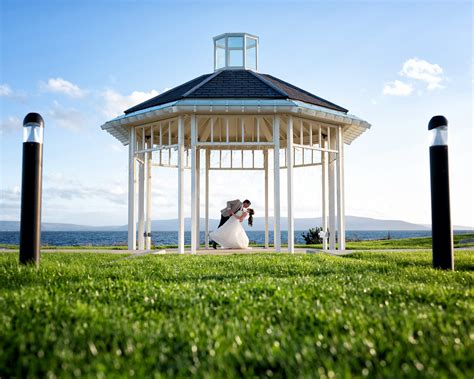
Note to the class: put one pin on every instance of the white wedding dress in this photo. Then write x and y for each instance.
(231, 235)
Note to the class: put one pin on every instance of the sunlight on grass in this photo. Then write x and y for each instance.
(372, 314)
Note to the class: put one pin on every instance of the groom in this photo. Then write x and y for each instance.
(233, 206)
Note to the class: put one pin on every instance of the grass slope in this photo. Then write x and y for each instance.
(460, 240)
(369, 314)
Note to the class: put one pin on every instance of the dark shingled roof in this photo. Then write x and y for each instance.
(236, 84)
(173, 94)
(296, 93)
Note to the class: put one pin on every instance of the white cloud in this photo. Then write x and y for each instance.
(116, 103)
(420, 69)
(10, 203)
(5, 90)
(68, 196)
(397, 88)
(60, 85)
(11, 194)
(67, 118)
(115, 194)
(60, 186)
(115, 147)
(10, 124)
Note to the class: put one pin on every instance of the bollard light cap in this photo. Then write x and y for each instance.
(33, 118)
(33, 128)
(437, 121)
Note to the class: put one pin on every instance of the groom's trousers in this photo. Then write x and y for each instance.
(223, 220)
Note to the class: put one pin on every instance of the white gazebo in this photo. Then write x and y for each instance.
(236, 118)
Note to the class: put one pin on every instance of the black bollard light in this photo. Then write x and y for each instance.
(31, 182)
(440, 206)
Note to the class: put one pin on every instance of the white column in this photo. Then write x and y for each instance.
(341, 222)
(198, 196)
(141, 196)
(276, 179)
(193, 186)
(181, 185)
(265, 165)
(149, 162)
(132, 235)
(324, 189)
(331, 195)
(206, 232)
(289, 171)
(141, 205)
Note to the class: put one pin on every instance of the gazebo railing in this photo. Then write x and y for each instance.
(234, 134)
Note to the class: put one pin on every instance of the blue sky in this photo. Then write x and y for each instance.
(394, 64)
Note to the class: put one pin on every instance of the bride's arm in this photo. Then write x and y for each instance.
(241, 218)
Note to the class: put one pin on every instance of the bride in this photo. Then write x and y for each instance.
(232, 235)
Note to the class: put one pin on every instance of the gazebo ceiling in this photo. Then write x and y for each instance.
(236, 84)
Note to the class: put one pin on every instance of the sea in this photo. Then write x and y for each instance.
(118, 238)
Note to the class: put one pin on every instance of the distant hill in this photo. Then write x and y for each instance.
(352, 223)
(14, 226)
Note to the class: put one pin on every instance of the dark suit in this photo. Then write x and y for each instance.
(232, 205)
(223, 221)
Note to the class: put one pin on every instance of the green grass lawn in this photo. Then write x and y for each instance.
(460, 240)
(369, 314)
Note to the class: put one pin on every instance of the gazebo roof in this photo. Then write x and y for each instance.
(236, 90)
(236, 84)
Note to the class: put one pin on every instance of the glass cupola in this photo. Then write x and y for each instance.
(236, 51)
